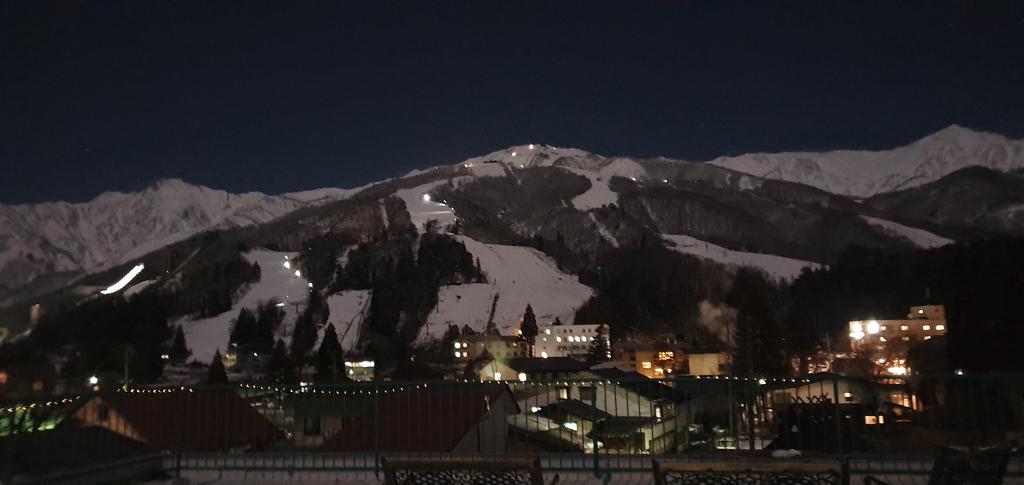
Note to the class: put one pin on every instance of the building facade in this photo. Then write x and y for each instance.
(567, 340)
(885, 343)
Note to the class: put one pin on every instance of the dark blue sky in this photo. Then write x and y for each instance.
(281, 96)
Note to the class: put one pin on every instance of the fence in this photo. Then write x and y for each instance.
(598, 425)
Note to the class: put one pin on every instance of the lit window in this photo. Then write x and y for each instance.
(545, 339)
(940, 327)
(558, 339)
(646, 365)
(870, 419)
(659, 370)
(571, 426)
(882, 339)
(563, 393)
(657, 413)
(920, 312)
(927, 337)
(927, 327)
(547, 331)
(458, 354)
(534, 409)
(884, 328)
(544, 355)
(873, 327)
(904, 327)
(848, 396)
(497, 376)
(522, 377)
(457, 345)
(665, 355)
(906, 339)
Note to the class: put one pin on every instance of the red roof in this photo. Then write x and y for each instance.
(193, 421)
(433, 419)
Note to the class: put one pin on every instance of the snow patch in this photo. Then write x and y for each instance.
(598, 195)
(422, 209)
(522, 276)
(920, 237)
(206, 335)
(348, 309)
(603, 231)
(777, 267)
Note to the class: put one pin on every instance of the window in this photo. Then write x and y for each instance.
(311, 426)
(558, 339)
(927, 327)
(940, 327)
(904, 327)
(657, 413)
(665, 355)
(587, 394)
(906, 339)
(563, 393)
(646, 364)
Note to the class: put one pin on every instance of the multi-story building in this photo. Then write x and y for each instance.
(665, 359)
(567, 340)
(886, 342)
(501, 347)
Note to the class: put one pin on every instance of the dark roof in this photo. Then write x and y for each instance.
(192, 421)
(640, 384)
(432, 419)
(331, 406)
(619, 427)
(651, 346)
(551, 364)
(575, 408)
(65, 448)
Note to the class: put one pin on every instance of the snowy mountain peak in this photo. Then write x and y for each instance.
(865, 173)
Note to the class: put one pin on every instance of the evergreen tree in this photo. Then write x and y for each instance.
(303, 338)
(557, 322)
(179, 351)
(216, 373)
(280, 369)
(467, 330)
(529, 326)
(329, 357)
(243, 333)
(758, 336)
(598, 347)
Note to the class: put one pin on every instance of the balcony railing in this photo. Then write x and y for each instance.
(599, 426)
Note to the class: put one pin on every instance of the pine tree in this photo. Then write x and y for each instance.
(280, 369)
(243, 332)
(304, 337)
(216, 373)
(557, 322)
(329, 357)
(179, 351)
(598, 347)
(529, 326)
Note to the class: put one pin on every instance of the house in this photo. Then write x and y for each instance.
(180, 420)
(652, 359)
(886, 343)
(441, 417)
(567, 340)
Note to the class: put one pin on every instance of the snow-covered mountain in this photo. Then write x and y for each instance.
(863, 174)
(73, 238)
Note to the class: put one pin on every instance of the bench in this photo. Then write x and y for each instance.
(504, 472)
(734, 473)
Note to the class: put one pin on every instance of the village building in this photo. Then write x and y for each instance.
(567, 340)
(886, 343)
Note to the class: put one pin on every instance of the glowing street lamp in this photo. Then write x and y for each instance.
(93, 380)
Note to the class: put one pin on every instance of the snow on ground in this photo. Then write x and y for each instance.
(603, 231)
(488, 169)
(778, 267)
(348, 309)
(920, 237)
(599, 194)
(522, 276)
(206, 335)
(422, 209)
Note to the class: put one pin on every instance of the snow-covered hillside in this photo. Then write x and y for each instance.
(866, 173)
(115, 227)
(521, 276)
(919, 237)
(777, 267)
(277, 282)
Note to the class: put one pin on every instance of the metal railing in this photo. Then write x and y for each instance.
(596, 425)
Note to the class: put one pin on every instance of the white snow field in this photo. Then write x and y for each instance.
(522, 276)
(348, 309)
(421, 208)
(777, 267)
(920, 237)
(206, 335)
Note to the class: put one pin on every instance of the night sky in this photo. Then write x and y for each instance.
(282, 96)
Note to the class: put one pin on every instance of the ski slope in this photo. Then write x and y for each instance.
(206, 335)
(422, 209)
(521, 276)
(348, 309)
(919, 237)
(777, 267)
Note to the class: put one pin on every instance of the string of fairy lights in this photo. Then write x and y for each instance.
(377, 389)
